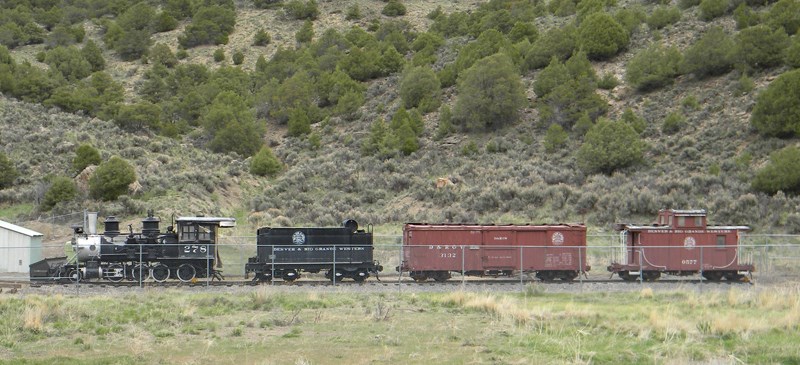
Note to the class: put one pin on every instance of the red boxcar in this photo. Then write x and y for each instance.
(551, 251)
(680, 243)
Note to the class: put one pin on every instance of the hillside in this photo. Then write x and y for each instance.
(502, 173)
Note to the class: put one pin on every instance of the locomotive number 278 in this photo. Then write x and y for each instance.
(194, 249)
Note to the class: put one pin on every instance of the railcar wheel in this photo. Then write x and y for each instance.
(651, 275)
(74, 275)
(569, 276)
(160, 273)
(290, 275)
(140, 272)
(714, 276)
(733, 276)
(624, 275)
(419, 277)
(545, 276)
(441, 276)
(186, 273)
(118, 273)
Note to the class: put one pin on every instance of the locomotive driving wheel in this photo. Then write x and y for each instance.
(118, 273)
(160, 273)
(186, 273)
(140, 272)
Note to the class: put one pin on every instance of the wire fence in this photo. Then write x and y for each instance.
(774, 257)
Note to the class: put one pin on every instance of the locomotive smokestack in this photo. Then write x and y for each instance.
(91, 222)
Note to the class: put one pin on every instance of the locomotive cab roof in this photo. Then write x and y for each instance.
(219, 221)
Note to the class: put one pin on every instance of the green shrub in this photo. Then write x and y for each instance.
(262, 38)
(523, 31)
(299, 123)
(470, 148)
(219, 55)
(62, 189)
(663, 16)
(69, 61)
(609, 146)
(713, 54)
(94, 55)
(690, 103)
(306, 33)
(238, 57)
(210, 25)
(566, 103)
(745, 16)
(8, 173)
(133, 117)
(686, 4)
(394, 8)
(555, 138)
(164, 22)
(583, 124)
(636, 122)
(761, 47)
(552, 76)
(792, 53)
(777, 112)
(298, 10)
(601, 36)
(161, 54)
(782, 173)
(710, 9)
(353, 12)
(608, 81)
(745, 85)
(420, 87)
(630, 18)
(556, 42)
(673, 123)
(111, 179)
(653, 67)
(265, 163)
(490, 94)
(786, 14)
(85, 155)
(446, 126)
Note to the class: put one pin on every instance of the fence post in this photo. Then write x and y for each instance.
(580, 266)
(208, 268)
(521, 267)
(463, 276)
(272, 258)
(701, 265)
(333, 273)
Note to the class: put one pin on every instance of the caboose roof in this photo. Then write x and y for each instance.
(623, 226)
(687, 212)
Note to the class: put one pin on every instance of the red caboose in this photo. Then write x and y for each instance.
(551, 251)
(680, 243)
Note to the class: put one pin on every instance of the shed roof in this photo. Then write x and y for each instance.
(20, 230)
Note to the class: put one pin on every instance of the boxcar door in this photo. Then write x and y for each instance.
(499, 251)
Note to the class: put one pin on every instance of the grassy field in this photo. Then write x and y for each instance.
(270, 327)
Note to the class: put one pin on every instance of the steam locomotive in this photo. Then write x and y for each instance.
(186, 254)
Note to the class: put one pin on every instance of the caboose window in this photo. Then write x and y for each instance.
(698, 221)
(681, 221)
(720, 240)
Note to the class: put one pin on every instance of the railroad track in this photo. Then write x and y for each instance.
(371, 283)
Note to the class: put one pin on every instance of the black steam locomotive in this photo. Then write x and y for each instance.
(342, 252)
(185, 254)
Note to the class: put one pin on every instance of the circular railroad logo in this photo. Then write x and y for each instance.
(558, 239)
(298, 238)
(689, 243)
